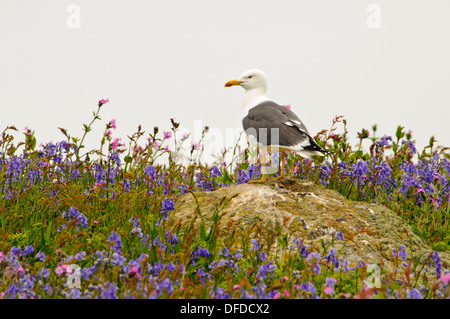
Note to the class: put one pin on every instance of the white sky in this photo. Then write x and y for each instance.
(160, 59)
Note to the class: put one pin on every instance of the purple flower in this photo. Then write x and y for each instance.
(150, 171)
(415, 294)
(175, 239)
(27, 251)
(316, 268)
(309, 287)
(345, 264)
(165, 284)
(202, 252)
(243, 177)
(126, 185)
(437, 263)
(80, 256)
(402, 253)
(16, 250)
(168, 205)
(109, 292)
(339, 235)
(256, 244)
(40, 256)
(117, 243)
(384, 141)
(264, 269)
(214, 172)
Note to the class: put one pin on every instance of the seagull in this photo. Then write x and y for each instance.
(270, 126)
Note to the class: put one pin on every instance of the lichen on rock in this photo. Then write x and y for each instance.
(309, 212)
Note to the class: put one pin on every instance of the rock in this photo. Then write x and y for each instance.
(308, 212)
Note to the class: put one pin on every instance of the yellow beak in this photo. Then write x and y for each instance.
(232, 82)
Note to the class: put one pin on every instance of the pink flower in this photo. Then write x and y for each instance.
(284, 278)
(347, 295)
(20, 270)
(287, 106)
(185, 135)
(67, 269)
(59, 270)
(115, 143)
(236, 287)
(223, 163)
(420, 190)
(196, 145)
(108, 132)
(113, 123)
(287, 293)
(446, 278)
(62, 269)
(166, 148)
(135, 270)
(1, 256)
(328, 290)
(96, 222)
(27, 130)
(58, 251)
(182, 288)
(167, 135)
(155, 145)
(296, 287)
(276, 296)
(103, 101)
(97, 185)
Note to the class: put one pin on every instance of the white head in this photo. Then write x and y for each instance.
(250, 80)
(255, 84)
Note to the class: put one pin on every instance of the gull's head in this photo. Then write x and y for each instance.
(249, 80)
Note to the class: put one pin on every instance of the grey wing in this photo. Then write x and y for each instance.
(271, 125)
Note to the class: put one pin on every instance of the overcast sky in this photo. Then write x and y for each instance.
(156, 60)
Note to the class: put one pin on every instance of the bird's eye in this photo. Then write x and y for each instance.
(249, 76)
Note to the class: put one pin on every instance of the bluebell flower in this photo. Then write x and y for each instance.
(402, 253)
(170, 266)
(339, 235)
(345, 264)
(415, 294)
(80, 256)
(175, 239)
(126, 185)
(166, 284)
(316, 268)
(437, 263)
(202, 252)
(214, 172)
(225, 252)
(40, 256)
(264, 269)
(243, 177)
(99, 173)
(27, 251)
(16, 250)
(309, 287)
(384, 141)
(168, 205)
(109, 292)
(262, 255)
(150, 171)
(256, 244)
(253, 171)
(117, 242)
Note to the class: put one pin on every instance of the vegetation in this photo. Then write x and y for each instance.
(100, 223)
